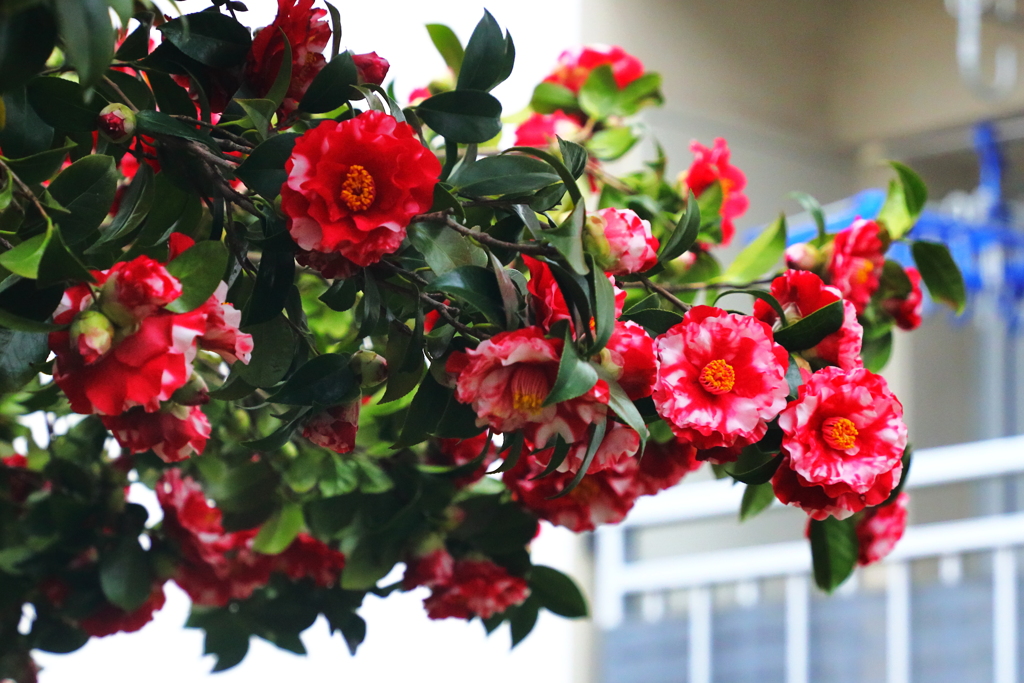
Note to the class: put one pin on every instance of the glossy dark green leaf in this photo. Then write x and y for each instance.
(136, 45)
(574, 156)
(258, 113)
(151, 122)
(624, 407)
(341, 295)
(404, 355)
(87, 33)
(603, 296)
(756, 499)
(940, 274)
(761, 472)
(283, 80)
(210, 38)
(685, 233)
(808, 332)
(200, 269)
(332, 87)
(23, 133)
(477, 287)
(557, 592)
(575, 376)
(132, 90)
(135, 206)
(443, 249)
(263, 170)
(59, 102)
(51, 634)
(488, 58)
(86, 189)
(568, 239)
(503, 175)
(656, 321)
(834, 551)
(170, 97)
(125, 575)
(273, 349)
(20, 353)
(757, 294)
(26, 40)
(464, 116)
(324, 380)
(39, 167)
(425, 411)
(59, 262)
(448, 44)
(16, 322)
(523, 619)
(274, 281)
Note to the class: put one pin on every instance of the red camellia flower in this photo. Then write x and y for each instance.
(308, 34)
(506, 379)
(664, 465)
(431, 569)
(353, 186)
(309, 558)
(880, 529)
(478, 588)
(371, 67)
(540, 130)
(857, 261)
(907, 312)
(574, 66)
(136, 289)
(174, 432)
(801, 293)
(222, 335)
(620, 241)
(629, 357)
(331, 266)
(457, 452)
(603, 497)
(711, 165)
(547, 300)
(620, 443)
(843, 441)
(334, 428)
(110, 619)
(722, 378)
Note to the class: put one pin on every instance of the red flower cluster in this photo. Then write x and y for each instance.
(855, 268)
(458, 452)
(128, 359)
(110, 619)
(467, 588)
(353, 186)
(216, 566)
(334, 428)
(880, 529)
(713, 165)
(907, 312)
(574, 66)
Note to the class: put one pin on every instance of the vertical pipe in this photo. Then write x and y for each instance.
(700, 635)
(1004, 615)
(897, 616)
(610, 560)
(797, 629)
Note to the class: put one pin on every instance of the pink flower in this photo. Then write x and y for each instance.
(222, 335)
(354, 185)
(418, 95)
(506, 379)
(620, 241)
(547, 300)
(857, 261)
(711, 165)
(722, 378)
(574, 66)
(136, 289)
(664, 465)
(629, 357)
(843, 443)
(801, 293)
(432, 569)
(174, 433)
(478, 588)
(803, 256)
(308, 34)
(334, 428)
(540, 129)
(907, 312)
(880, 529)
(603, 497)
(371, 67)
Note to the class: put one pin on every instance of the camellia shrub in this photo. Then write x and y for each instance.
(336, 335)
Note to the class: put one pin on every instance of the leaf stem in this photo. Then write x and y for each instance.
(485, 239)
(675, 301)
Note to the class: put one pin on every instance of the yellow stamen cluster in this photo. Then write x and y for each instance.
(839, 433)
(358, 190)
(718, 377)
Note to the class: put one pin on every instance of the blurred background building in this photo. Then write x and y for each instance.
(812, 96)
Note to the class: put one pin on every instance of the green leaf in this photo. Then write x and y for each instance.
(258, 113)
(756, 499)
(812, 207)
(568, 239)
(603, 296)
(20, 353)
(86, 189)
(624, 407)
(149, 122)
(284, 75)
(444, 249)
(135, 206)
(759, 256)
(504, 174)
(274, 282)
(448, 44)
(58, 263)
(39, 167)
(940, 274)
(332, 86)
(425, 411)
(757, 294)
(200, 269)
(550, 97)
(523, 619)
(685, 233)
(16, 322)
(808, 332)
(323, 380)
(907, 460)
(644, 90)
(656, 321)
(59, 102)
(477, 287)
(88, 36)
(488, 58)
(210, 38)
(574, 156)
(125, 575)
(612, 143)
(170, 97)
(404, 356)
(758, 474)
(133, 90)
(23, 133)
(876, 352)
(575, 376)
(278, 532)
(26, 40)
(464, 116)
(24, 259)
(263, 170)
(557, 592)
(136, 45)
(341, 296)
(599, 95)
(834, 551)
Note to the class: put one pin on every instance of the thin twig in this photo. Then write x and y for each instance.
(608, 179)
(675, 301)
(202, 151)
(215, 129)
(127, 100)
(447, 312)
(25, 190)
(485, 239)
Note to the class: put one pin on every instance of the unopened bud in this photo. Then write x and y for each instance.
(803, 256)
(117, 122)
(92, 333)
(369, 367)
(194, 393)
(371, 68)
(595, 241)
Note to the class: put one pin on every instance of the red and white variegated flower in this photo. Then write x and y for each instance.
(477, 588)
(722, 378)
(334, 427)
(857, 261)
(222, 335)
(630, 359)
(174, 432)
(880, 529)
(620, 241)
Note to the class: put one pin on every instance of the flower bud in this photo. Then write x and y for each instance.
(596, 242)
(116, 122)
(369, 367)
(371, 67)
(92, 334)
(194, 393)
(804, 256)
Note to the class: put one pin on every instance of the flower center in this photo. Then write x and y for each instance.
(839, 433)
(718, 377)
(862, 271)
(358, 191)
(529, 388)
